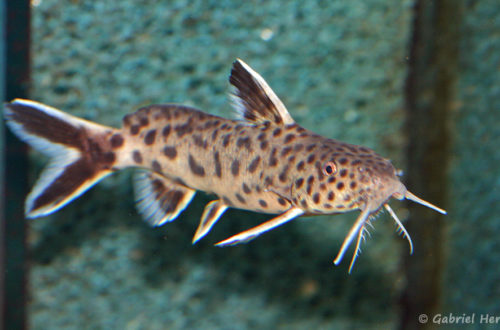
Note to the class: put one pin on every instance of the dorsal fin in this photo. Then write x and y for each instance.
(254, 99)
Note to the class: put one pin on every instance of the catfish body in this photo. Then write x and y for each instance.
(265, 163)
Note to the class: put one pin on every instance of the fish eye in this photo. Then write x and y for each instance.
(329, 168)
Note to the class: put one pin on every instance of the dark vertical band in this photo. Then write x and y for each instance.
(429, 87)
(16, 79)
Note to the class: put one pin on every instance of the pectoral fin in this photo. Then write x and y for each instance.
(159, 200)
(211, 214)
(250, 234)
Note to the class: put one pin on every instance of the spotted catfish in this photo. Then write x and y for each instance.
(264, 163)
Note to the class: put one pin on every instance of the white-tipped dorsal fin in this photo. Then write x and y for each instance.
(254, 99)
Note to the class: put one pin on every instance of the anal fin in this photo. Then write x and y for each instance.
(159, 199)
(211, 214)
(250, 234)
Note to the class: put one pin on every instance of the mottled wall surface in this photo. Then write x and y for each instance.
(340, 67)
(474, 223)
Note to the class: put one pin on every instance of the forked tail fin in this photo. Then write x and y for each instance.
(80, 153)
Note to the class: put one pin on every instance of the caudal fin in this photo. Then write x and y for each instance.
(80, 153)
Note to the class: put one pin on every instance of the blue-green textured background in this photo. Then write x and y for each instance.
(340, 67)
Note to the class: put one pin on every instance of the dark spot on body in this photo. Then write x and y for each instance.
(235, 167)
(196, 168)
(363, 149)
(277, 132)
(144, 121)
(343, 161)
(214, 134)
(300, 165)
(246, 188)
(149, 138)
(264, 144)
(137, 157)
(156, 166)
(240, 198)
(311, 158)
(281, 201)
(277, 119)
(225, 140)
(166, 131)
(289, 138)
(170, 152)
(199, 141)
(353, 184)
(310, 182)
(299, 182)
(283, 175)
(268, 181)
(184, 129)
(254, 164)
(331, 196)
(343, 173)
(286, 151)
(303, 203)
(310, 147)
(218, 168)
(340, 186)
(262, 136)
(262, 203)
(332, 179)
(116, 141)
(244, 142)
(227, 201)
(266, 126)
(316, 198)
(352, 149)
(134, 129)
(273, 161)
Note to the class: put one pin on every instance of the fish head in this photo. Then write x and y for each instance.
(374, 181)
(346, 177)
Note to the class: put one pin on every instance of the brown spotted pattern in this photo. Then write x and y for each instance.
(234, 160)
